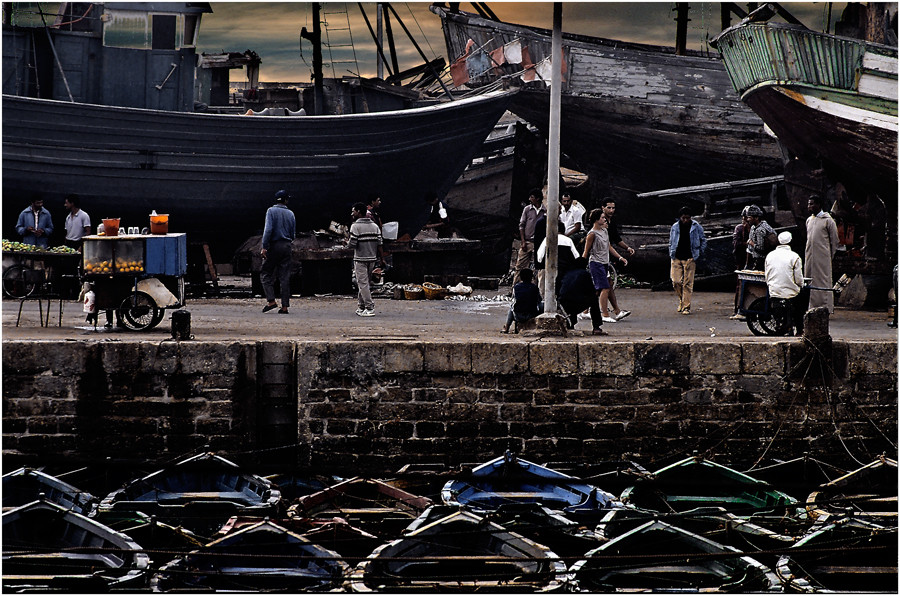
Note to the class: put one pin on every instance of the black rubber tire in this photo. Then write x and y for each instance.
(139, 312)
(19, 281)
(775, 322)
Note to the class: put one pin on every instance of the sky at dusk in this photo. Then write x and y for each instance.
(272, 30)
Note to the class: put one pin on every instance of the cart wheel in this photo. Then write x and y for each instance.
(20, 281)
(159, 316)
(775, 322)
(139, 311)
(613, 276)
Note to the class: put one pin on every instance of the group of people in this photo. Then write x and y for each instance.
(35, 225)
(757, 247)
(583, 271)
(583, 263)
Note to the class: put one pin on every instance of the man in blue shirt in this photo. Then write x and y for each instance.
(279, 233)
(35, 224)
(687, 242)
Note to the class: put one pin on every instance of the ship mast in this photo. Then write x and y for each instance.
(316, 39)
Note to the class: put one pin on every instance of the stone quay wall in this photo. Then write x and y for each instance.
(370, 407)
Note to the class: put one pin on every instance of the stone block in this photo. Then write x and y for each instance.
(663, 358)
(428, 430)
(207, 357)
(23, 357)
(448, 357)
(606, 358)
(869, 357)
(358, 361)
(763, 358)
(553, 358)
(457, 430)
(161, 358)
(403, 357)
(500, 358)
(715, 358)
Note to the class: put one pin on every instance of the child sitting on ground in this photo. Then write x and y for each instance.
(527, 303)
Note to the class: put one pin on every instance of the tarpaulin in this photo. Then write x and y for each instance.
(528, 65)
(513, 52)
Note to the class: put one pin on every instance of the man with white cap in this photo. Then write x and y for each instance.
(784, 276)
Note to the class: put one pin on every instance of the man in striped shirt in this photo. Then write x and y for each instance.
(365, 240)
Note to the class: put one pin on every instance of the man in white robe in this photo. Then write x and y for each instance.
(821, 244)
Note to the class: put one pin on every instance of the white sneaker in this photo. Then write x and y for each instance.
(609, 320)
(367, 313)
(360, 311)
(622, 314)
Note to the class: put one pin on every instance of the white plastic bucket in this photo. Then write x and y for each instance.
(389, 230)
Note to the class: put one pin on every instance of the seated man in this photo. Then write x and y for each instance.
(784, 277)
(527, 302)
(577, 293)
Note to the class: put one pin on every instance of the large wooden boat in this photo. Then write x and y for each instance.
(24, 485)
(119, 131)
(634, 117)
(831, 100)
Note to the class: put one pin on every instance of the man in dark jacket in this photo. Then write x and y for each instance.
(278, 235)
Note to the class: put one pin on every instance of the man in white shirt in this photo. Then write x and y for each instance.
(571, 214)
(78, 223)
(784, 276)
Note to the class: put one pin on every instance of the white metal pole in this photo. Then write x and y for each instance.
(553, 165)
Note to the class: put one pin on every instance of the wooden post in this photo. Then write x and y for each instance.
(550, 258)
(681, 20)
(318, 78)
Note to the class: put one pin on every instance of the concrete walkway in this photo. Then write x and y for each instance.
(333, 318)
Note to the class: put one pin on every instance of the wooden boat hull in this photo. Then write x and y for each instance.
(461, 552)
(49, 548)
(634, 117)
(259, 557)
(216, 174)
(829, 99)
(636, 561)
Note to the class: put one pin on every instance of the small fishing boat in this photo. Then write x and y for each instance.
(47, 547)
(197, 492)
(27, 484)
(353, 544)
(634, 117)
(869, 492)
(461, 552)
(844, 556)
(697, 482)
(508, 479)
(796, 476)
(263, 556)
(657, 556)
(371, 505)
(831, 100)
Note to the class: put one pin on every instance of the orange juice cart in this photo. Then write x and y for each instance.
(137, 276)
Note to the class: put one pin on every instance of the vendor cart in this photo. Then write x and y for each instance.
(136, 276)
(39, 273)
(765, 315)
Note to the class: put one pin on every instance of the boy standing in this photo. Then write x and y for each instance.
(365, 240)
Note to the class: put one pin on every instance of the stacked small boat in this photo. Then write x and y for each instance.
(506, 525)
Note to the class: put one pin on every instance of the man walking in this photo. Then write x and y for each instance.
(78, 223)
(35, 224)
(278, 235)
(365, 240)
(687, 242)
(527, 224)
(821, 244)
(784, 276)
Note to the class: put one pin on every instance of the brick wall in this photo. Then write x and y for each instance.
(367, 407)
